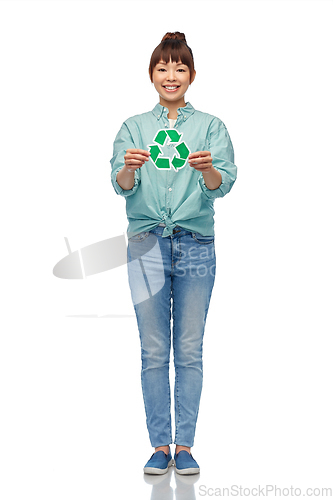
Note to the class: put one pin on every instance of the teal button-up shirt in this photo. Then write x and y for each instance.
(166, 189)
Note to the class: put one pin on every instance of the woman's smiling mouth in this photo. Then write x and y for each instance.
(171, 88)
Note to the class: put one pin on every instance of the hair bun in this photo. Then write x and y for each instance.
(174, 36)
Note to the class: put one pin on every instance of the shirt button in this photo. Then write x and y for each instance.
(158, 116)
(170, 189)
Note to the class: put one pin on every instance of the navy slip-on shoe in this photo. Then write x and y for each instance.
(158, 463)
(185, 463)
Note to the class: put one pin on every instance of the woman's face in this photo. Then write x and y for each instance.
(171, 80)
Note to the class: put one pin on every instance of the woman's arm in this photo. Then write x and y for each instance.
(213, 178)
(126, 163)
(133, 159)
(202, 161)
(218, 159)
(125, 178)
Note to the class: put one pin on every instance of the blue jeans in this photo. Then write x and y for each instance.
(174, 273)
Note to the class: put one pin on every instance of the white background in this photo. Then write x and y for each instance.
(72, 419)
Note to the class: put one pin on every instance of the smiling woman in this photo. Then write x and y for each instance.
(171, 70)
(170, 199)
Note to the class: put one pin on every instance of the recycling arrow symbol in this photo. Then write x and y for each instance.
(166, 138)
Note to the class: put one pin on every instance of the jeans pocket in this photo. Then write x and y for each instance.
(139, 237)
(203, 240)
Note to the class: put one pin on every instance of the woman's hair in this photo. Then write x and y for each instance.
(172, 45)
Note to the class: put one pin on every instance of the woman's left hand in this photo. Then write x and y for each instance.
(201, 160)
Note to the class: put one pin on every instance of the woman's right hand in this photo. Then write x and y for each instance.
(135, 158)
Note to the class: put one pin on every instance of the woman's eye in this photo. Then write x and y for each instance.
(179, 69)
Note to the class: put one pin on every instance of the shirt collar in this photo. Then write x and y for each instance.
(186, 111)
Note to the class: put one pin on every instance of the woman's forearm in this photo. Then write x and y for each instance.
(213, 178)
(125, 178)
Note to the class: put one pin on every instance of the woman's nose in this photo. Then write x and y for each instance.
(171, 76)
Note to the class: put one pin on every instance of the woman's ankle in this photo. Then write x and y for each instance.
(180, 448)
(166, 449)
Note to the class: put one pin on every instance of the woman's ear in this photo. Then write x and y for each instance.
(193, 76)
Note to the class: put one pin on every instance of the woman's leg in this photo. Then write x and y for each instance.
(153, 319)
(193, 279)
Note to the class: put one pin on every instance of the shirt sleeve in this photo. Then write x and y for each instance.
(123, 141)
(220, 146)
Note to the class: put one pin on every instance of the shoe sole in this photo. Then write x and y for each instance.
(155, 470)
(192, 470)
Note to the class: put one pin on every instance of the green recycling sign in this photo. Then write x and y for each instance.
(178, 149)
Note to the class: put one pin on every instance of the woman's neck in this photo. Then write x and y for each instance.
(173, 106)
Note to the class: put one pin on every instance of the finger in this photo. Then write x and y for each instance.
(138, 151)
(199, 153)
(200, 161)
(202, 166)
(205, 168)
(134, 162)
(136, 157)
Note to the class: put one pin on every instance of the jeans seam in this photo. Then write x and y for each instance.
(137, 238)
(203, 242)
(169, 423)
(180, 252)
(177, 407)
